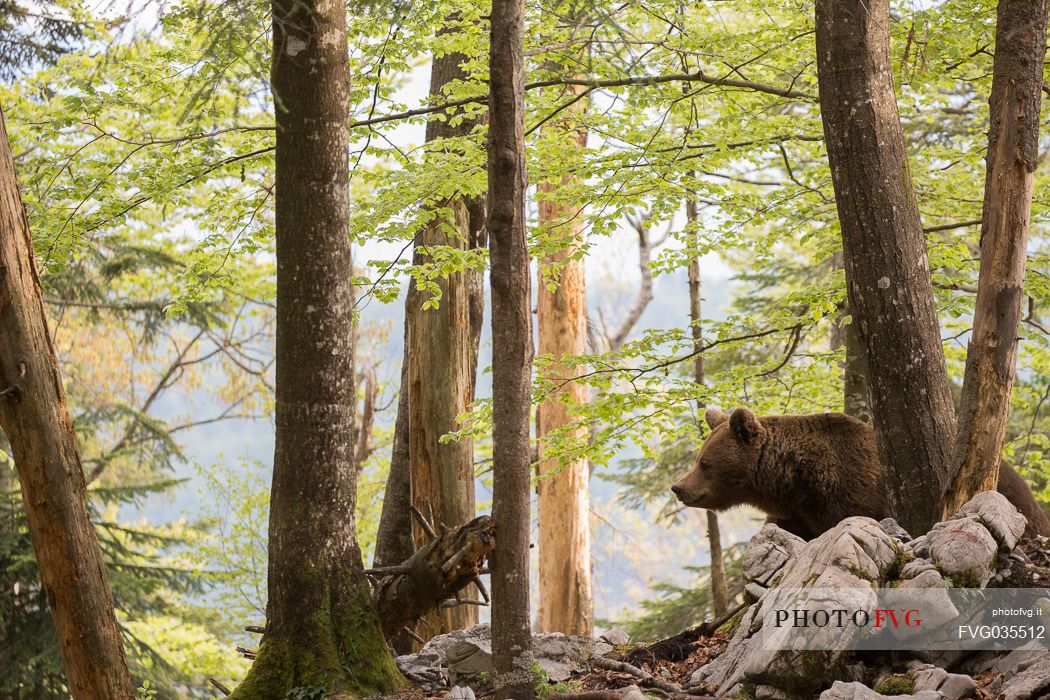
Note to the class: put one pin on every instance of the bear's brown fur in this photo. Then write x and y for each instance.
(807, 472)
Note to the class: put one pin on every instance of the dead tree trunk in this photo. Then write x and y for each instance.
(511, 353)
(566, 602)
(719, 591)
(440, 367)
(33, 416)
(1013, 152)
(321, 629)
(887, 269)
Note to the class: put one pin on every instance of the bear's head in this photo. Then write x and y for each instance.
(721, 476)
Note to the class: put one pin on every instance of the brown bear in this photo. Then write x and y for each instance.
(807, 472)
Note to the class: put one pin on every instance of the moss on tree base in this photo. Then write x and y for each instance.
(320, 663)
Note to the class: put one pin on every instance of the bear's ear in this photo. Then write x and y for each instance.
(715, 418)
(744, 424)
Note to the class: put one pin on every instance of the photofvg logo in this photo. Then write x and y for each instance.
(903, 618)
(841, 618)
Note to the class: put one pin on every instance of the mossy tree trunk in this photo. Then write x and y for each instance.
(1013, 154)
(34, 418)
(322, 630)
(511, 353)
(884, 249)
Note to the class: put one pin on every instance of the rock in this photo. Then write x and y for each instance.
(929, 678)
(755, 590)
(767, 552)
(616, 637)
(859, 691)
(768, 692)
(930, 578)
(852, 556)
(998, 515)
(428, 670)
(916, 567)
(602, 648)
(1020, 660)
(559, 655)
(1031, 684)
(464, 655)
(894, 530)
(964, 550)
(919, 547)
(958, 686)
(460, 692)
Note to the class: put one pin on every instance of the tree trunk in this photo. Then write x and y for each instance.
(566, 601)
(719, 590)
(33, 416)
(394, 535)
(1013, 152)
(887, 269)
(511, 354)
(438, 379)
(321, 629)
(856, 399)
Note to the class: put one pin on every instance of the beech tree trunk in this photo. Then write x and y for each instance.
(43, 443)
(719, 590)
(566, 601)
(321, 630)
(1013, 152)
(511, 354)
(887, 270)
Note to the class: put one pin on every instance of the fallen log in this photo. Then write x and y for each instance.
(678, 647)
(433, 576)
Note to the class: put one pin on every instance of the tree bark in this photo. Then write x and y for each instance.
(33, 416)
(719, 590)
(887, 270)
(394, 535)
(1013, 152)
(856, 398)
(437, 381)
(566, 600)
(511, 353)
(321, 629)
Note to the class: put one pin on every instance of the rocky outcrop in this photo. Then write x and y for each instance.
(464, 657)
(975, 548)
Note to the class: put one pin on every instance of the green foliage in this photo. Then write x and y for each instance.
(145, 156)
(545, 689)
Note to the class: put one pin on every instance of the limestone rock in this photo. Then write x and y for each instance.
(859, 691)
(997, 514)
(460, 692)
(767, 552)
(964, 550)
